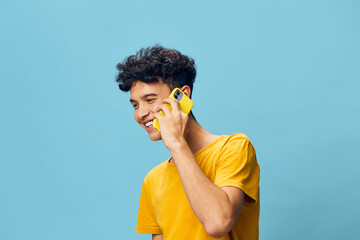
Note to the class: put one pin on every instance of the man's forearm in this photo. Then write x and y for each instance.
(210, 203)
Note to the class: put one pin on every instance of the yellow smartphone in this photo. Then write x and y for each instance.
(185, 103)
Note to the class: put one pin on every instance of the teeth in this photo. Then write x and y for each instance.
(148, 124)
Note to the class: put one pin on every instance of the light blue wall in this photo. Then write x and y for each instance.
(286, 73)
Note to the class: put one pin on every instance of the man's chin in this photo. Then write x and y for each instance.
(155, 136)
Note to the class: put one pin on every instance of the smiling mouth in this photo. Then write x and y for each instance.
(149, 124)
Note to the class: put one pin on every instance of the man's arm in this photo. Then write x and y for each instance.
(157, 237)
(216, 208)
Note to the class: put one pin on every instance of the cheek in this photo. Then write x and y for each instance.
(155, 106)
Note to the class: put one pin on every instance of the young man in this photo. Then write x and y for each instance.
(209, 188)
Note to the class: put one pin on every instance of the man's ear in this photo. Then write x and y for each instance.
(187, 90)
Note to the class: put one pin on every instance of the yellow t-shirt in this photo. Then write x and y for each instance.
(227, 161)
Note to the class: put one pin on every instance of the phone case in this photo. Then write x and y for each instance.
(185, 103)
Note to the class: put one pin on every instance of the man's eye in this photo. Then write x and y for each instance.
(135, 105)
(150, 99)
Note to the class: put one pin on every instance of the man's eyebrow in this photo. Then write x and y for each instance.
(149, 95)
(145, 96)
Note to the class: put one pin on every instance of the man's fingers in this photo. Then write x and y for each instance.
(173, 103)
(165, 108)
(158, 115)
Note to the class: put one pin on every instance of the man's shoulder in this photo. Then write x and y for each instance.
(157, 171)
(238, 136)
(233, 139)
(237, 142)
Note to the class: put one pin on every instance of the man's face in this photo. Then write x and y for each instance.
(145, 98)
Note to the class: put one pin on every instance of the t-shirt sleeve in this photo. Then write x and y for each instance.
(237, 166)
(146, 221)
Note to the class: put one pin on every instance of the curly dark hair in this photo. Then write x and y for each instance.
(154, 63)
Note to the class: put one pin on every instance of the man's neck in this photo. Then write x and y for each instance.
(197, 137)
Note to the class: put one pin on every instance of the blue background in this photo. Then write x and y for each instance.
(286, 73)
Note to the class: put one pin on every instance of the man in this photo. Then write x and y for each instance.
(209, 188)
